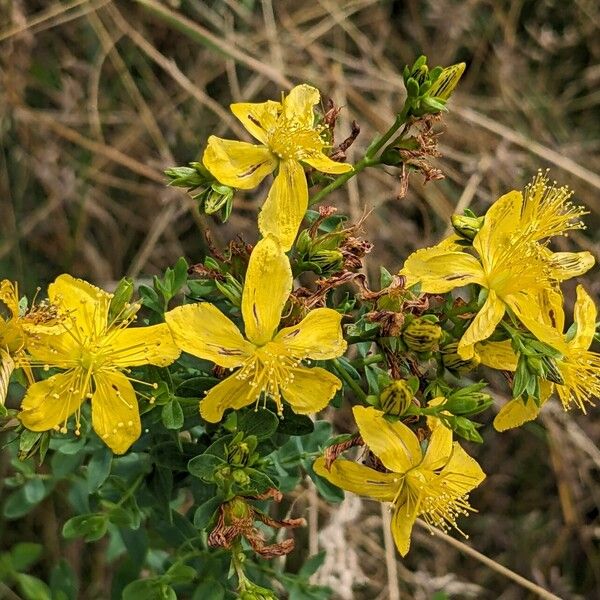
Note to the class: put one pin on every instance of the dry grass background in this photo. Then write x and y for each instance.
(97, 97)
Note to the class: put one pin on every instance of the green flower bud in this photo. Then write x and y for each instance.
(535, 365)
(303, 242)
(446, 82)
(467, 227)
(216, 196)
(256, 592)
(238, 455)
(240, 477)
(453, 362)
(551, 371)
(231, 289)
(421, 335)
(468, 404)
(119, 308)
(396, 398)
(328, 260)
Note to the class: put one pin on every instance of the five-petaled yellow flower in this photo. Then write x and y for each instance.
(288, 137)
(512, 264)
(434, 485)
(267, 361)
(95, 354)
(579, 368)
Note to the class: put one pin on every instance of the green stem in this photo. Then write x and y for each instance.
(237, 562)
(349, 381)
(368, 160)
(132, 488)
(368, 360)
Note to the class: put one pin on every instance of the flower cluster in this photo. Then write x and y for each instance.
(257, 343)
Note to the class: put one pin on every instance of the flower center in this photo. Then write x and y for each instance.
(290, 140)
(269, 370)
(89, 359)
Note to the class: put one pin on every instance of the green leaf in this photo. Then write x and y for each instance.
(32, 588)
(63, 582)
(261, 423)
(150, 298)
(17, 505)
(205, 465)
(98, 468)
(205, 512)
(180, 275)
(34, 491)
(209, 589)
(25, 554)
(312, 564)
(90, 527)
(180, 573)
(149, 589)
(172, 415)
(27, 440)
(293, 424)
(259, 481)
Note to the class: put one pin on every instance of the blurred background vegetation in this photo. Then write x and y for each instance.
(98, 97)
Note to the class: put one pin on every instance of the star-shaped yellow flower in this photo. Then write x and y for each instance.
(579, 368)
(267, 361)
(434, 484)
(94, 354)
(288, 137)
(511, 263)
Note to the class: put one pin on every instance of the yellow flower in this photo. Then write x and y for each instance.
(511, 263)
(434, 484)
(288, 137)
(15, 331)
(579, 368)
(267, 360)
(94, 353)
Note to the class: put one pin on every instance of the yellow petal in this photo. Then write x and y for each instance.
(115, 411)
(318, 335)
(49, 403)
(566, 265)
(238, 164)
(358, 479)
(394, 443)
(323, 163)
(461, 474)
(7, 366)
(403, 519)
(202, 330)
(59, 350)
(136, 346)
(81, 301)
(439, 270)
(497, 355)
(551, 307)
(310, 390)
(483, 325)
(526, 308)
(298, 105)
(585, 317)
(285, 205)
(439, 449)
(230, 393)
(501, 220)
(514, 413)
(266, 290)
(258, 117)
(9, 295)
